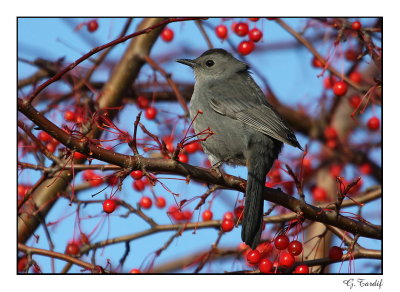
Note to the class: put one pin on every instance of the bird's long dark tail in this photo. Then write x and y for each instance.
(253, 207)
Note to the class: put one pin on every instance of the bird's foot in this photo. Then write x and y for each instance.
(216, 168)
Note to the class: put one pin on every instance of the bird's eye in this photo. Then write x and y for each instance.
(209, 63)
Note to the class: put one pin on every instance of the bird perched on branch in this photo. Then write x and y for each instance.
(247, 129)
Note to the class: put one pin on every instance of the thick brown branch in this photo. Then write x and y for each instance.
(61, 256)
(205, 175)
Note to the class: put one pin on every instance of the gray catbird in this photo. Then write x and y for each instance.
(248, 131)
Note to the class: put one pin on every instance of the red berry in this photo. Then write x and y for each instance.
(265, 266)
(69, 116)
(137, 174)
(295, 248)
(356, 188)
(329, 81)
(72, 248)
(355, 101)
(145, 202)
(265, 248)
(88, 174)
(169, 144)
(192, 148)
(22, 263)
(92, 25)
(142, 102)
(175, 213)
(96, 180)
(43, 136)
(207, 215)
(241, 29)
(22, 190)
(227, 225)
(233, 26)
(253, 257)
(335, 170)
(160, 202)
(281, 242)
(178, 216)
(151, 113)
(355, 77)
(78, 155)
(335, 253)
(365, 168)
(109, 206)
(340, 88)
(167, 34)
(288, 187)
(187, 215)
(255, 34)
(301, 269)
(239, 212)
(286, 260)
(356, 25)
(183, 158)
(246, 47)
(332, 144)
(254, 19)
(221, 31)
(319, 194)
(317, 63)
(83, 239)
(350, 55)
(228, 216)
(330, 133)
(51, 147)
(374, 124)
(139, 185)
(134, 271)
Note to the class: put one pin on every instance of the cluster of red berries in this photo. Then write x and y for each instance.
(139, 182)
(241, 29)
(229, 219)
(50, 143)
(73, 116)
(331, 137)
(188, 149)
(286, 260)
(23, 263)
(144, 103)
(179, 215)
(93, 178)
(146, 202)
(373, 123)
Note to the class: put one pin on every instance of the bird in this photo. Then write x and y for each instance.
(247, 130)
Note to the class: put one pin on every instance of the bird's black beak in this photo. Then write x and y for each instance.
(187, 62)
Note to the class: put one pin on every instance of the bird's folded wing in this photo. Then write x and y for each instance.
(261, 117)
